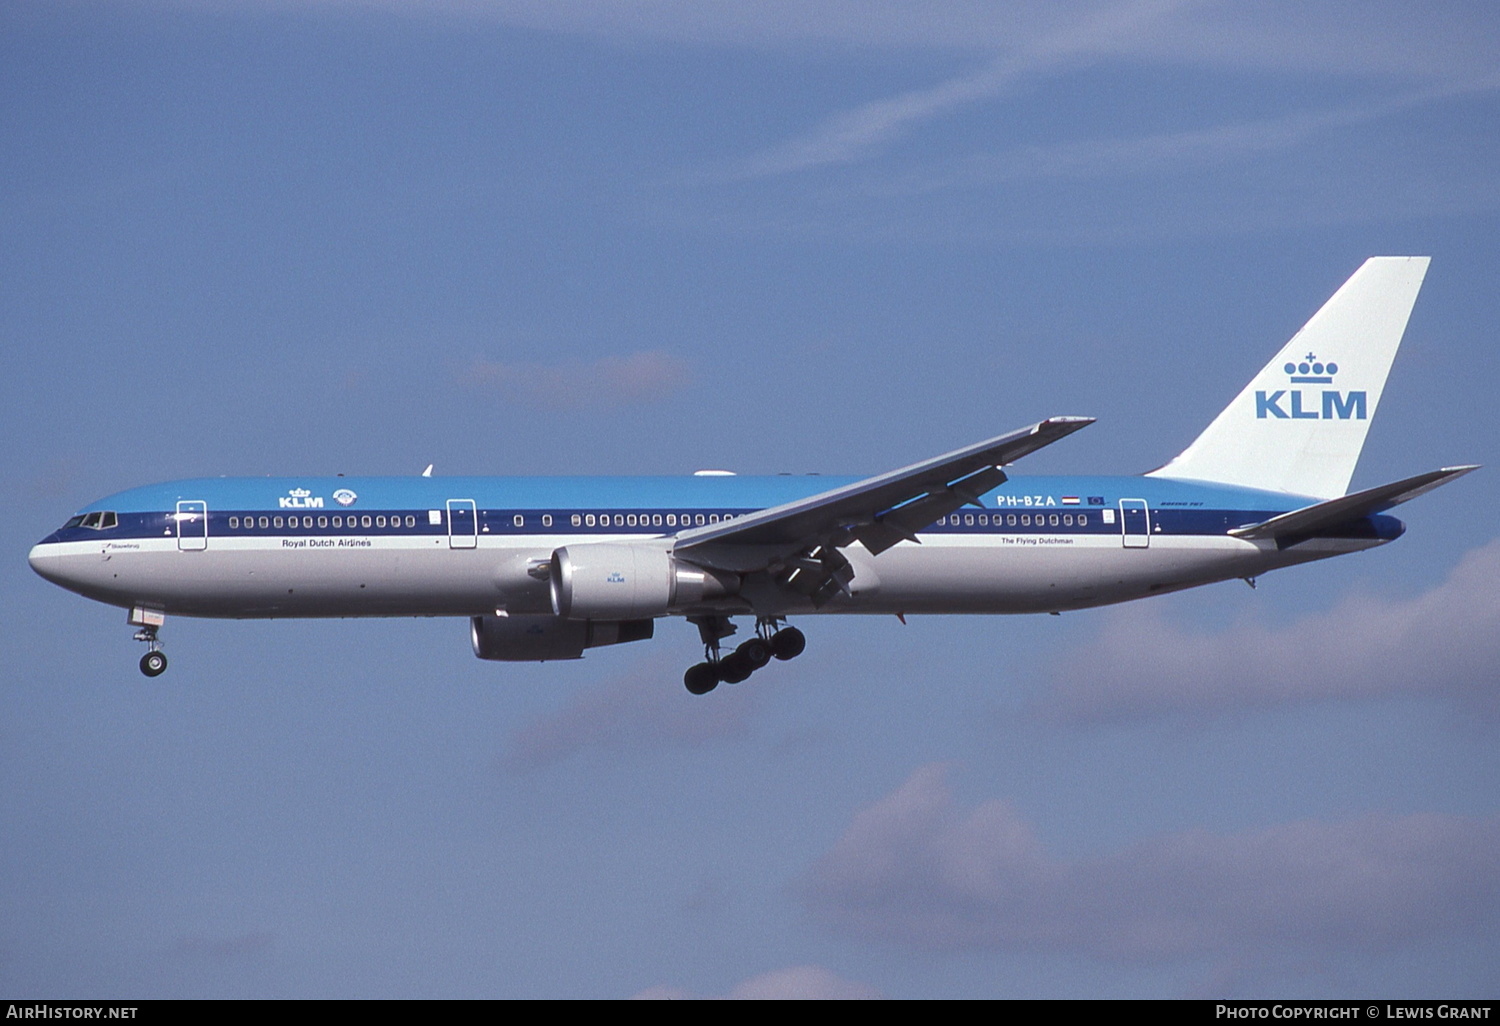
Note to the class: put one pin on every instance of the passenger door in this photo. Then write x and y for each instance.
(1135, 524)
(463, 524)
(192, 525)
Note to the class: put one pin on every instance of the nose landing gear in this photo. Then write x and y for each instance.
(770, 642)
(154, 662)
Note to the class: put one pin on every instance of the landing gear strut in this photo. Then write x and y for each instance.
(771, 641)
(154, 662)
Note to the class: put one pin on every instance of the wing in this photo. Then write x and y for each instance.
(800, 540)
(1298, 525)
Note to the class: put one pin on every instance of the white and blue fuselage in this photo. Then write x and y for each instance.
(469, 546)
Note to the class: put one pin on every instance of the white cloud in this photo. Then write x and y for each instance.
(798, 983)
(914, 868)
(1445, 641)
(850, 135)
(609, 381)
(1176, 152)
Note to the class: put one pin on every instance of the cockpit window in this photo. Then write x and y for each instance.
(98, 520)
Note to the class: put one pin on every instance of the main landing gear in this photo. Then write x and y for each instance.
(770, 642)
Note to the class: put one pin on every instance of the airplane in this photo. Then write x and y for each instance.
(545, 568)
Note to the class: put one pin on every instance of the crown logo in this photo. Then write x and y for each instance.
(299, 493)
(1311, 372)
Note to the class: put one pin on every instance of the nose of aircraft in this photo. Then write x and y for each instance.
(43, 562)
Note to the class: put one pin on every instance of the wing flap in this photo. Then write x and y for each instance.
(1309, 519)
(903, 522)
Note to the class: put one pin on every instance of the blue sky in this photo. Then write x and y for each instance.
(248, 238)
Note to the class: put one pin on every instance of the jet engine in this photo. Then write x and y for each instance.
(531, 639)
(627, 582)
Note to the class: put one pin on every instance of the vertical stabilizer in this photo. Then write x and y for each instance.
(1299, 425)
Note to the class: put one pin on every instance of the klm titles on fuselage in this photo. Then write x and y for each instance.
(1333, 405)
(301, 498)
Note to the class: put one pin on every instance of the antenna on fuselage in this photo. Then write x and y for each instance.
(428, 471)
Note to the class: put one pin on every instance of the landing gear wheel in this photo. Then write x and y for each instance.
(735, 668)
(154, 664)
(788, 643)
(757, 652)
(701, 678)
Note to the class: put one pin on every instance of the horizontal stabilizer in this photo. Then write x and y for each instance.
(1310, 519)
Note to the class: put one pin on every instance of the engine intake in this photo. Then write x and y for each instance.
(627, 582)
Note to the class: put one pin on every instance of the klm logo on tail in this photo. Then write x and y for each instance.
(1304, 404)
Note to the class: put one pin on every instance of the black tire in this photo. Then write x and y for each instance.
(757, 652)
(701, 678)
(154, 664)
(788, 643)
(735, 668)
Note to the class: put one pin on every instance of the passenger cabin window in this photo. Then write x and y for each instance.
(546, 519)
(518, 520)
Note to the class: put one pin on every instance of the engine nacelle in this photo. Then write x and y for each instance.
(532, 639)
(627, 582)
